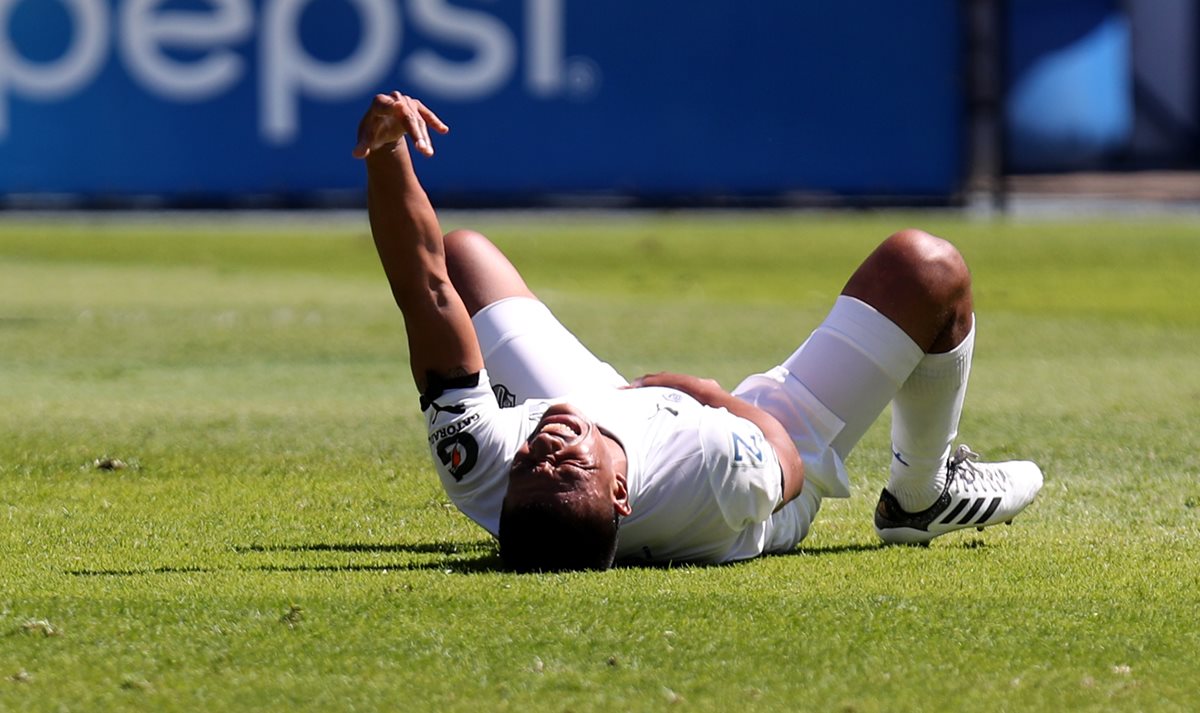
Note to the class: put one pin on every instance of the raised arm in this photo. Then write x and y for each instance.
(441, 341)
(710, 393)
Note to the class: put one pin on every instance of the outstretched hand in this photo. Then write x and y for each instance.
(390, 117)
(706, 391)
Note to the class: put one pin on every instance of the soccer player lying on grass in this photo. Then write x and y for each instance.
(570, 466)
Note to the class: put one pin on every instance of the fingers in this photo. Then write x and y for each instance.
(361, 150)
(431, 118)
(374, 125)
(420, 120)
(644, 380)
(390, 117)
(413, 114)
(418, 130)
(683, 382)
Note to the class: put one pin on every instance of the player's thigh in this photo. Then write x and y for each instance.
(481, 274)
(530, 354)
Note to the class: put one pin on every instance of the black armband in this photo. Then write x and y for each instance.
(437, 384)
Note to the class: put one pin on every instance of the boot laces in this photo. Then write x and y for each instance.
(968, 472)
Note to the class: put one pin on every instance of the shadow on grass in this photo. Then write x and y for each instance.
(442, 548)
(834, 549)
(799, 551)
(484, 558)
(969, 544)
(135, 572)
(475, 565)
(480, 557)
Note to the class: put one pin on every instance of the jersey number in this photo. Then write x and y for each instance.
(743, 448)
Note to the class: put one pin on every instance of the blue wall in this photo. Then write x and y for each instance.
(225, 97)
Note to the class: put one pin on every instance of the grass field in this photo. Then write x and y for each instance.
(277, 541)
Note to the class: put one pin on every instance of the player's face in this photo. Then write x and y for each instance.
(565, 458)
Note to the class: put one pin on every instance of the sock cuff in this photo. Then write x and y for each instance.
(874, 335)
(957, 361)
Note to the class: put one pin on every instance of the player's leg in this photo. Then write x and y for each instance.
(528, 352)
(910, 299)
(921, 283)
(902, 329)
(480, 272)
(831, 389)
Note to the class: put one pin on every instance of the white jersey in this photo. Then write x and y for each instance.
(702, 482)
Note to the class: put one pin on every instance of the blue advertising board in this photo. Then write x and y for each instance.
(179, 98)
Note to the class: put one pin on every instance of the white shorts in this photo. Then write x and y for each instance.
(530, 354)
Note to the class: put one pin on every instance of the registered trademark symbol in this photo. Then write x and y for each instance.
(583, 78)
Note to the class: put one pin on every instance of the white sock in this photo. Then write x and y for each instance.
(854, 363)
(925, 415)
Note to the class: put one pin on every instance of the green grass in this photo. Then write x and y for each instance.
(277, 540)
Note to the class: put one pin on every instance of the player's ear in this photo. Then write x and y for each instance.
(620, 494)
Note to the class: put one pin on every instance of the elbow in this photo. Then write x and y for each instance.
(792, 467)
(441, 291)
(426, 286)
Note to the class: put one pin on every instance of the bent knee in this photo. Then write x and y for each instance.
(480, 272)
(466, 250)
(927, 258)
(461, 243)
(923, 245)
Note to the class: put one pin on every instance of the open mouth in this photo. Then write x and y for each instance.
(563, 426)
(564, 431)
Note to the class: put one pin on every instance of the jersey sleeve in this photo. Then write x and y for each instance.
(743, 469)
(471, 440)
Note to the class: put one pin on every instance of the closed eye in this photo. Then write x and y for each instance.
(576, 470)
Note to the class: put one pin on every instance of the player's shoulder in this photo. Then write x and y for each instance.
(467, 408)
(477, 393)
(444, 395)
(471, 437)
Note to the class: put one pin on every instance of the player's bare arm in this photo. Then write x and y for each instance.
(710, 393)
(442, 343)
